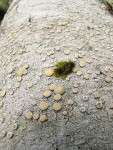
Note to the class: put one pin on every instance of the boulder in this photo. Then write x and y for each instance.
(34, 36)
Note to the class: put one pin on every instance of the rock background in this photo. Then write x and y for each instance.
(27, 37)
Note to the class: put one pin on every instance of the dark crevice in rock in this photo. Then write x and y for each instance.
(4, 5)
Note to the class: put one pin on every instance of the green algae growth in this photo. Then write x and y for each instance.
(63, 69)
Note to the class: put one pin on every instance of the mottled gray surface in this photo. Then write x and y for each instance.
(26, 39)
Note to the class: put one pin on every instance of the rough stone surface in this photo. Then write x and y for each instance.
(29, 32)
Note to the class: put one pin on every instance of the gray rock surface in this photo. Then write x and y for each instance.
(31, 33)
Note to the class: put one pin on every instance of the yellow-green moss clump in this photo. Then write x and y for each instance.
(4, 4)
(63, 68)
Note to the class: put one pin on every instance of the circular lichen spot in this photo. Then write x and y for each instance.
(35, 116)
(65, 112)
(43, 118)
(103, 100)
(82, 63)
(82, 109)
(59, 89)
(85, 98)
(89, 60)
(29, 115)
(51, 87)
(97, 95)
(108, 79)
(14, 126)
(70, 102)
(99, 104)
(2, 133)
(30, 85)
(75, 90)
(86, 77)
(79, 73)
(57, 106)
(26, 66)
(90, 71)
(66, 51)
(47, 93)
(2, 93)
(49, 72)
(74, 69)
(17, 84)
(57, 97)
(43, 105)
(9, 135)
(19, 79)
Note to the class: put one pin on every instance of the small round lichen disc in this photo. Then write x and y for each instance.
(49, 72)
(85, 98)
(57, 106)
(30, 85)
(43, 118)
(14, 126)
(26, 66)
(57, 97)
(75, 90)
(108, 79)
(17, 84)
(97, 95)
(82, 109)
(75, 69)
(24, 71)
(19, 78)
(89, 60)
(90, 71)
(35, 116)
(51, 87)
(2, 93)
(2, 133)
(82, 63)
(79, 73)
(86, 76)
(99, 105)
(29, 115)
(98, 72)
(20, 72)
(47, 93)
(66, 51)
(65, 113)
(9, 135)
(43, 105)
(70, 102)
(57, 48)
(103, 100)
(107, 68)
(59, 89)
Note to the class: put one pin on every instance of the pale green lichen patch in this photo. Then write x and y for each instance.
(63, 68)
